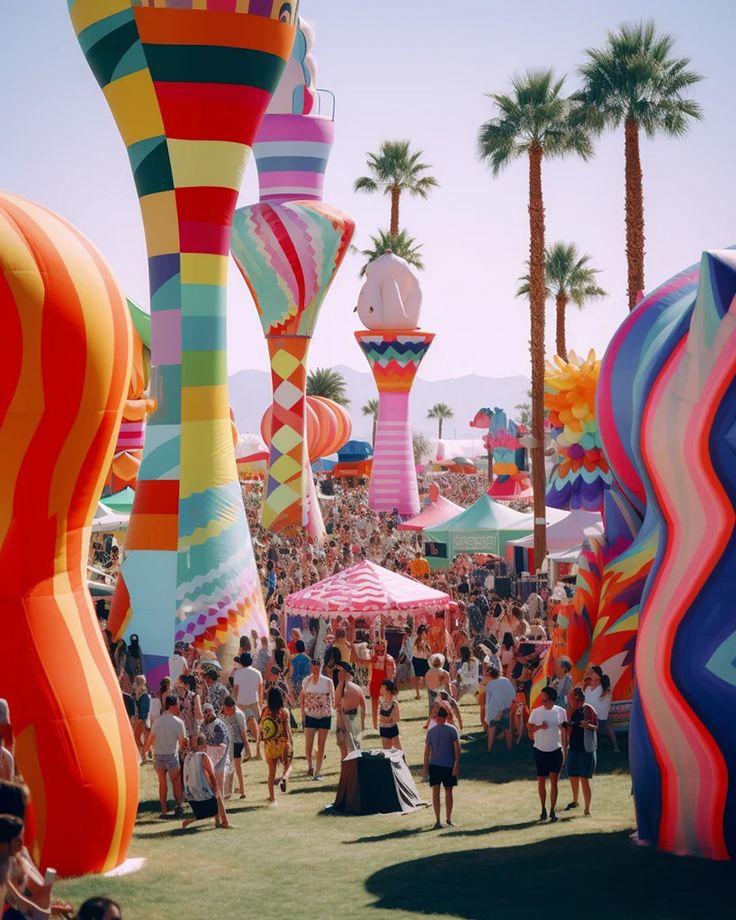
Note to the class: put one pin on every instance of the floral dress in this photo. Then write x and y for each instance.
(186, 714)
(275, 734)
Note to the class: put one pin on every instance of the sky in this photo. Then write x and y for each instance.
(416, 70)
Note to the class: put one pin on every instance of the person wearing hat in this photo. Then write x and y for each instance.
(350, 708)
(436, 679)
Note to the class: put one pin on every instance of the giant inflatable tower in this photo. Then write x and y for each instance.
(389, 305)
(289, 247)
(188, 88)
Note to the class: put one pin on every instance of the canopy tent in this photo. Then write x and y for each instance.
(439, 510)
(486, 526)
(365, 590)
(108, 521)
(567, 533)
(122, 501)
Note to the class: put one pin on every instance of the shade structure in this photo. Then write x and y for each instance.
(567, 533)
(441, 509)
(366, 590)
(485, 527)
(121, 502)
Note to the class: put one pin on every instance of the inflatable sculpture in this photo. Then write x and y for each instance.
(328, 430)
(683, 738)
(510, 476)
(188, 87)
(394, 347)
(582, 476)
(64, 319)
(289, 247)
(126, 459)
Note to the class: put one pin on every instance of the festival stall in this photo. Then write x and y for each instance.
(439, 510)
(485, 527)
(565, 539)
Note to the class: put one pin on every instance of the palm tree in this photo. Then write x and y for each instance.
(634, 81)
(326, 382)
(440, 411)
(534, 121)
(400, 244)
(569, 278)
(395, 169)
(371, 408)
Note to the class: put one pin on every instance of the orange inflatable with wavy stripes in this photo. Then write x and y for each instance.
(66, 354)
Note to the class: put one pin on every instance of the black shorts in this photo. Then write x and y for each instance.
(389, 731)
(314, 722)
(238, 749)
(548, 761)
(421, 666)
(441, 776)
(205, 809)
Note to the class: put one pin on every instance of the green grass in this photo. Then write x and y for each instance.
(296, 861)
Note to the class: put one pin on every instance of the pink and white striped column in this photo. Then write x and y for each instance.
(394, 357)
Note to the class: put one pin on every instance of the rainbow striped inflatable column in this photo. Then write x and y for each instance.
(289, 247)
(188, 83)
(66, 354)
(394, 358)
(683, 729)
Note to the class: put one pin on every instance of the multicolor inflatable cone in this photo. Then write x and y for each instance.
(188, 88)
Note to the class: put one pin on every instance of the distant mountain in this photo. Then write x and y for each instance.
(250, 394)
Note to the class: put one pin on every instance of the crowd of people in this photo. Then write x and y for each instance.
(200, 725)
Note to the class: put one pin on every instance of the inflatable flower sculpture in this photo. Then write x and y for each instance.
(582, 475)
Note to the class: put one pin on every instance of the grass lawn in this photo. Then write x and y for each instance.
(295, 861)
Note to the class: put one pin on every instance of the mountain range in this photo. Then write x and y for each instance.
(250, 395)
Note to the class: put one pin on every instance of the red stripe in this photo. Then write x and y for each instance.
(278, 229)
(211, 111)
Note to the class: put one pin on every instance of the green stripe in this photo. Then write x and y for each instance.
(207, 64)
(105, 54)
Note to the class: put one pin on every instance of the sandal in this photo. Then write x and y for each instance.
(282, 785)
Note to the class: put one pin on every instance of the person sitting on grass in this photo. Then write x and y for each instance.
(200, 787)
(442, 764)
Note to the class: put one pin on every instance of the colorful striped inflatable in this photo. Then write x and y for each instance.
(188, 83)
(683, 739)
(66, 363)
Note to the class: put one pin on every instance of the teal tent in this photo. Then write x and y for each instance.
(485, 527)
(121, 501)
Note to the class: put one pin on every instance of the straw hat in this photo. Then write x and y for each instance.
(437, 657)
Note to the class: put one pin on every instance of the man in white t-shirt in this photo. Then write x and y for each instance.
(248, 694)
(547, 728)
(168, 736)
(177, 665)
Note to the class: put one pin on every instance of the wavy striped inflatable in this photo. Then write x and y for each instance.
(188, 83)
(66, 363)
(683, 729)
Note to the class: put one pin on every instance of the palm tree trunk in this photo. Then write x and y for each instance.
(375, 422)
(561, 303)
(537, 297)
(634, 212)
(395, 195)
(439, 429)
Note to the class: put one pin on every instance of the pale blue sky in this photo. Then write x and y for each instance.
(416, 70)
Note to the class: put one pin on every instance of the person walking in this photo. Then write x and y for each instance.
(248, 694)
(500, 694)
(420, 659)
(141, 724)
(236, 726)
(437, 678)
(442, 764)
(389, 715)
(316, 702)
(547, 727)
(581, 754)
(277, 743)
(350, 710)
(168, 737)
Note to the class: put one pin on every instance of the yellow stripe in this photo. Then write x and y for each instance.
(200, 404)
(132, 100)
(161, 224)
(213, 467)
(203, 268)
(219, 164)
(86, 12)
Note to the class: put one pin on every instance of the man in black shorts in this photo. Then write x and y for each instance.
(442, 763)
(547, 728)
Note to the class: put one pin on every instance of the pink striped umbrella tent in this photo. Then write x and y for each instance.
(439, 510)
(366, 590)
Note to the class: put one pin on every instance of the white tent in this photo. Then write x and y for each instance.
(108, 521)
(565, 535)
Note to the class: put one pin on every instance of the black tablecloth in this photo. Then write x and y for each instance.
(376, 782)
